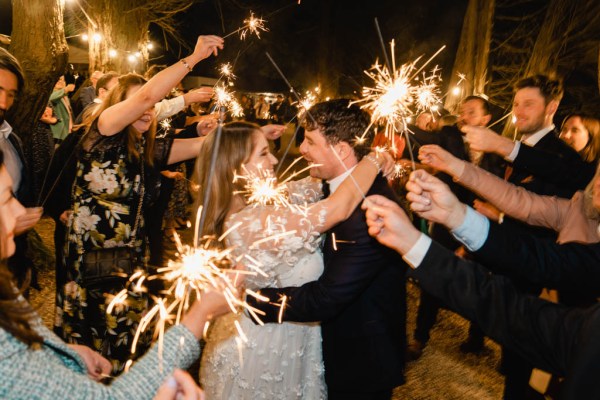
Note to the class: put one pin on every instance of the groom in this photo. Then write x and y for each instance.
(360, 298)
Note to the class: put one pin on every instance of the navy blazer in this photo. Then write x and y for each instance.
(531, 172)
(360, 299)
(569, 266)
(553, 337)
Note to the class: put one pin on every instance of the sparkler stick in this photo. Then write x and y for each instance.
(428, 61)
(289, 145)
(346, 169)
(385, 55)
(500, 120)
(292, 90)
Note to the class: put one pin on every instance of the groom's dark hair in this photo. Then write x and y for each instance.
(340, 121)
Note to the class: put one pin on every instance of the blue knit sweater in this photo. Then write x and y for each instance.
(57, 372)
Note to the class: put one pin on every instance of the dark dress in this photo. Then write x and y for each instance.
(105, 199)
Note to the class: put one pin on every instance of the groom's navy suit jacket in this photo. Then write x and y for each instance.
(361, 301)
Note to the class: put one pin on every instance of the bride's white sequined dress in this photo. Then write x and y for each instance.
(278, 361)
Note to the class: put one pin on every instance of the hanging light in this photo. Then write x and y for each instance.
(85, 37)
(97, 37)
(456, 90)
(112, 53)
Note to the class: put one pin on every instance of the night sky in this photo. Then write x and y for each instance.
(329, 42)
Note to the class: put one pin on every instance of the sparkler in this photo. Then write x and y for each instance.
(227, 71)
(251, 25)
(396, 94)
(226, 99)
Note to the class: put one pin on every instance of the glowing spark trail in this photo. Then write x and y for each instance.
(394, 97)
(251, 25)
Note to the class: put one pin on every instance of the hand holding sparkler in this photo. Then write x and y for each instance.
(441, 160)
(200, 95)
(205, 46)
(273, 131)
(179, 386)
(97, 366)
(206, 124)
(433, 200)
(389, 224)
(28, 220)
(385, 160)
(212, 303)
(488, 141)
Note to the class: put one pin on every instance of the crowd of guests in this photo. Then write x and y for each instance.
(500, 221)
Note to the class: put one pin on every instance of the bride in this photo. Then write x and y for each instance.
(278, 361)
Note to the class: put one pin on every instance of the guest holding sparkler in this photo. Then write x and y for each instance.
(559, 339)
(575, 220)
(276, 361)
(35, 363)
(118, 165)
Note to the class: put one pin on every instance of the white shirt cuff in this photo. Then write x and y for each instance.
(414, 257)
(514, 153)
(473, 232)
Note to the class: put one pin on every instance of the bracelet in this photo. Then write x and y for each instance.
(185, 63)
(374, 161)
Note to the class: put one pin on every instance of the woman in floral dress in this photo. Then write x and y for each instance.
(119, 160)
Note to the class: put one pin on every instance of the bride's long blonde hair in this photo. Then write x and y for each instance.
(235, 148)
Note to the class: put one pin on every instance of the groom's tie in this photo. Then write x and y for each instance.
(325, 189)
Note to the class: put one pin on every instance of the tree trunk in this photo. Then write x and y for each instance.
(38, 42)
(473, 53)
(124, 29)
(326, 72)
(553, 36)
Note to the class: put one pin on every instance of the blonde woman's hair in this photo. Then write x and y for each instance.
(235, 148)
(116, 95)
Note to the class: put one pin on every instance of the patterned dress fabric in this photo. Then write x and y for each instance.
(105, 198)
(278, 361)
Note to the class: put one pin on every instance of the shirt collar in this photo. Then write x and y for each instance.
(337, 181)
(5, 130)
(532, 139)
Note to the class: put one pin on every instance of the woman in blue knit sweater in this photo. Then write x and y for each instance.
(37, 364)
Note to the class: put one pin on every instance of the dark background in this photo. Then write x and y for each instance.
(329, 42)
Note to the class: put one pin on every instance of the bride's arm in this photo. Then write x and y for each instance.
(340, 205)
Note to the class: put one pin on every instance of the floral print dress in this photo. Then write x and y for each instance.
(105, 198)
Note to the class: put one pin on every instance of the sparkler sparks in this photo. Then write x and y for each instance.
(396, 94)
(262, 188)
(225, 98)
(227, 71)
(251, 25)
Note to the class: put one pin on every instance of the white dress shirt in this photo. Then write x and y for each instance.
(530, 140)
(473, 233)
(337, 181)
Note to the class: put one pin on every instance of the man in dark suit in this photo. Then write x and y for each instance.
(536, 100)
(550, 336)
(11, 83)
(360, 298)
